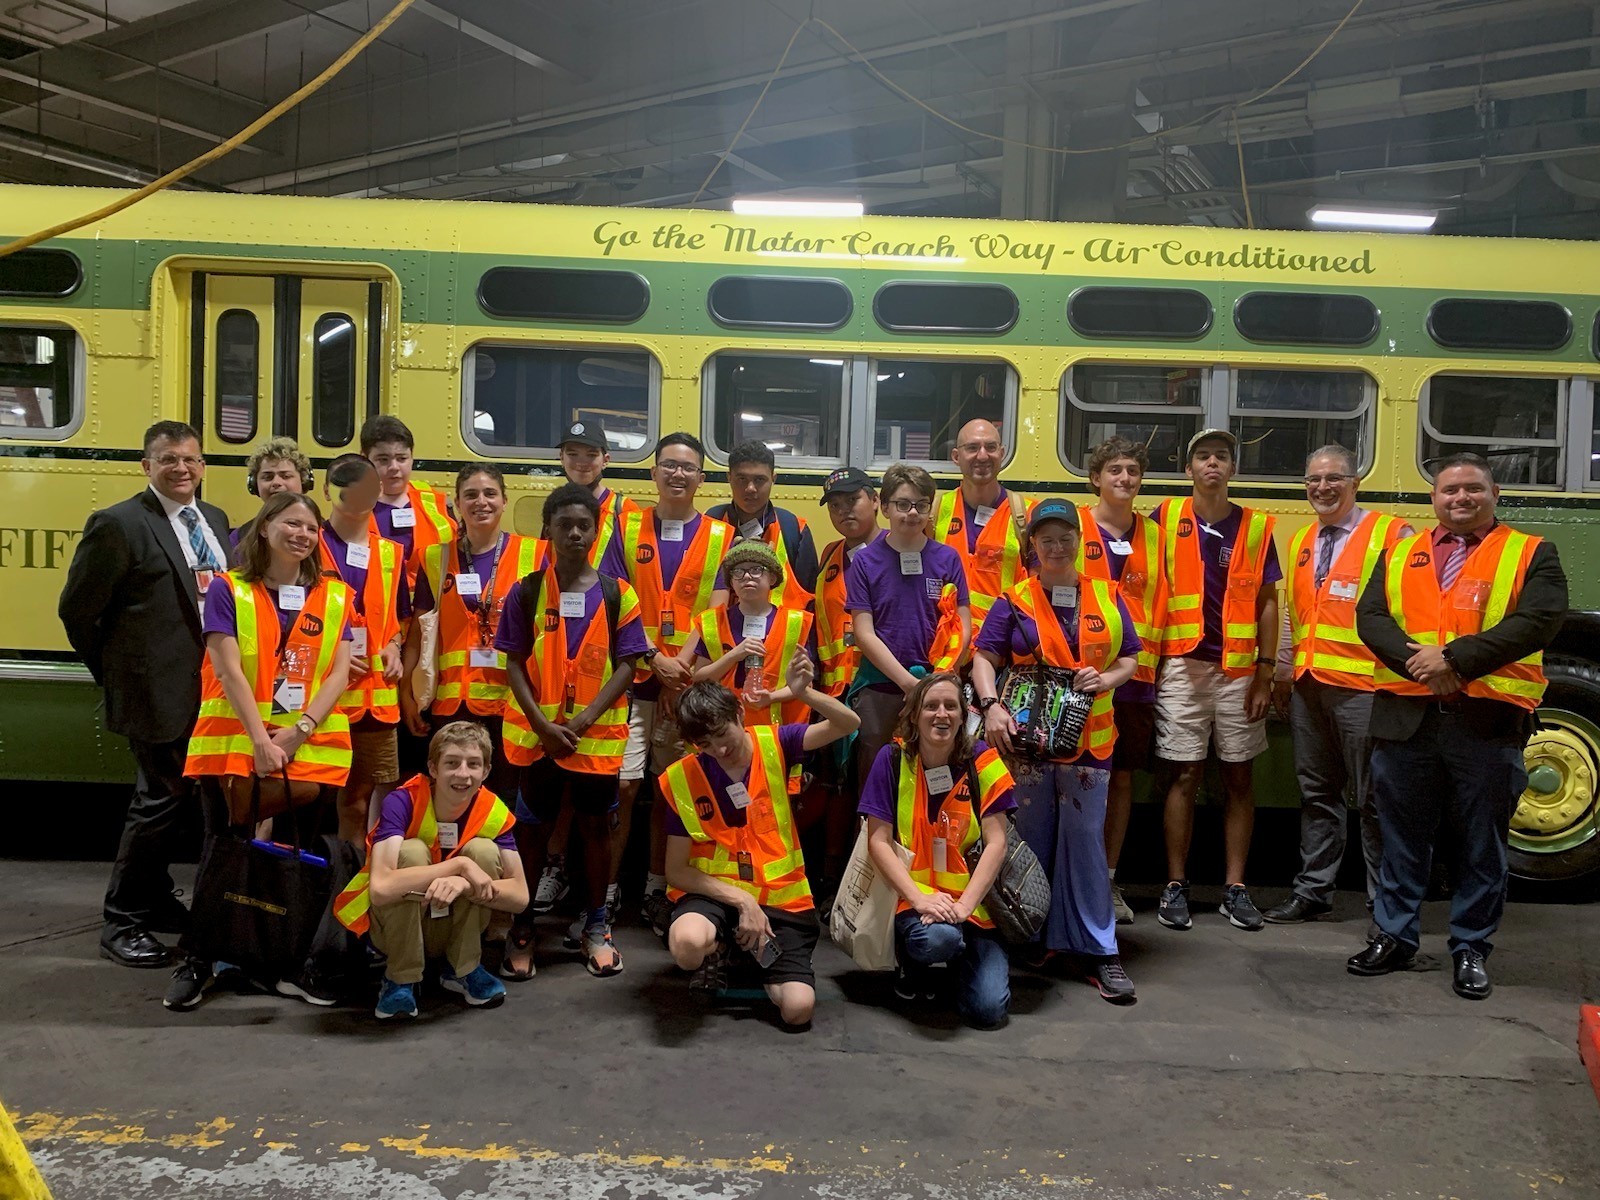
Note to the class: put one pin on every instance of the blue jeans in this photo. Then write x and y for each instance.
(983, 972)
(1061, 814)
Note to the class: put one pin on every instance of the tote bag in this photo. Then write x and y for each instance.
(864, 909)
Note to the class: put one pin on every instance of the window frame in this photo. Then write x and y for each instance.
(944, 330)
(469, 385)
(718, 454)
(1366, 413)
(562, 319)
(1176, 339)
(1065, 396)
(730, 323)
(76, 379)
(864, 435)
(356, 367)
(1563, 427)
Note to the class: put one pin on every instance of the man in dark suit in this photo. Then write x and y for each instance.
(1458, 617)
(131, 608)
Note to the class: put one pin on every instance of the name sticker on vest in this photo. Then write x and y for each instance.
(292, 598)
(1342, 589)
(981, 517)
(739, 796)
(672, 531)
(1123, 548)
(449, 835)
(403, 518)
(483, 656)
(755, 627)
(289, 695)
(939, 780)
(358, 641)
(358, 554)
(752, 529)
(572, 604)
(1064, 597)
(468, 584)
(910, 562)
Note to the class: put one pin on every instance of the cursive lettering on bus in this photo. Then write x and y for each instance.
(36, 549)
(1267, 258)
(1001, 245)
(608, 235)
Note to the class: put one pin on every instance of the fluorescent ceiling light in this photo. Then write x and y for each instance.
(828, 362)
(756, 207)
(1372, 218)
(749, 416)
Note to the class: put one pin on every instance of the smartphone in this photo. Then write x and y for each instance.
(767, 953)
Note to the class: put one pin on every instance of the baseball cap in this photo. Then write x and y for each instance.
(1053, 509)
(1225, 434)
(846, 479)
(586, 433)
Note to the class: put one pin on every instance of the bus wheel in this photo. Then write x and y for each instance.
(1555, 831)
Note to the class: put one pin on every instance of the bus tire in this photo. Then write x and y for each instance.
(1555, 830)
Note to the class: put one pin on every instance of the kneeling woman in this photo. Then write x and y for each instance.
(733, 854)
(932, 790)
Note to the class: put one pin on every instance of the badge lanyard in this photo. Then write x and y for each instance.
(486, 596)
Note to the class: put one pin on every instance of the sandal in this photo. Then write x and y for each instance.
(517, 965)
(600, 953)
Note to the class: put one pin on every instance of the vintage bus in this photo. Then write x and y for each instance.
(488, 328)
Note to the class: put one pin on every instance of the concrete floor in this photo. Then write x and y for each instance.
(1252, 1065)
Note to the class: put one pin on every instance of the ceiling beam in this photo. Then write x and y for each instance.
(558, 55)
(198, 28)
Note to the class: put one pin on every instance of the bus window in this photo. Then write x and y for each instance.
(1158, 405)
(748, 301)
(1138, 312)
(238, 384)
(1281, 416)
(919, 405)
(1514, 423)
(560, 294)
(43, 273)
(517, 400)
(1468, 324)
(333, 395)
(37, 373)
(945, 306)
(1306, 318)
(794, 405)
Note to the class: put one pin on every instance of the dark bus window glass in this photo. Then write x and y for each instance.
(980, 308)
(1296, 318)
(333, 372)
(1499, 324)
(1156, 405)
(794, 405)
(238, 382)
(556, 294)
(1117, 312)
(777, 303)
(35, 379)
(919, 406)
(1281, 415)
(53, 273)
(523, 398)
(1514, 423)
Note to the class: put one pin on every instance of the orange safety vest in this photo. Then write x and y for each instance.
(613, 508)
(433, 526)
(996, 563)
(762, 856)
(1142, 586)
(486, 816)
(792, 592)
(955, 828)
(1184, 623)
(836, 641)
(377, 612)
(480, 684)
(1099, 639)
(1323, 620)
(669, 614)
(1487, 589)
(787, 631)
(565, 687)
(220, 745)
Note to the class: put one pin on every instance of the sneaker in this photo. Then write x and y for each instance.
(657, 912)
(1173, 911)
(1120, 907)
(308, 986)
(395, 1000)
(1240, 909)
(1113, 981)
(712, 974)
(600, 954)
(903, 985)
(572, 939)
(189, 983)
(478, 988)
(552, 889)
(613, 902)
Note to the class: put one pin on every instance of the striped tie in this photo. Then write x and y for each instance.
(203, 561)
(1450, 569)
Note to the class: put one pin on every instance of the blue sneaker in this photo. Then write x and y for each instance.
(478, 988)
(396, 1000)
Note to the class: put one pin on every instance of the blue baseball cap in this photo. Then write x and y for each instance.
(1053, 509)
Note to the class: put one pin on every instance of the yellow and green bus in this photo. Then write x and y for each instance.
(488, 328)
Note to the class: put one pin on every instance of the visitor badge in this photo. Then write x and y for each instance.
(911, 562)
(468, 583)
(572, 604)
(751, 529)
(484, 656)
(449, 835)
(669, 623)
(403, 518)
(358, 554)
(981, 517)
(292, 597)
(755, 627)
(739, 796)
(939, 780)
(1119, 547)
(672, 531)
(358, 641)
(290, 695)
(747, 867)
(941, 855)
(1342, 589)
(1064, 597)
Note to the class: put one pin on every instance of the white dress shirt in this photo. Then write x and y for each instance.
(172, 508)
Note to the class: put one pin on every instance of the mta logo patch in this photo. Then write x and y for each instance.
(1421, 558)
(1096, 624)
(646, 554)
(1094, 552)
(1185, 527)
(832, 574)
(704, 808)
(311, 625)
(1305, 557)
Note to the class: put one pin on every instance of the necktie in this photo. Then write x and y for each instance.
(1325, 552)
(203, 561)
(1450, 569)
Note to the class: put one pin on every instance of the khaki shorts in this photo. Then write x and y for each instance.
(653, 740)
(1196, 702)
(374, 753)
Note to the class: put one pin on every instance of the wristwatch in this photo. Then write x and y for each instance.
(306, 725)
(649, 656)
(987, 703)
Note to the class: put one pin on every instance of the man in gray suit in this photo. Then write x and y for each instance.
(131, 609)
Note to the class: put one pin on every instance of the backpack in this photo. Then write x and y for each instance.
(610, 592)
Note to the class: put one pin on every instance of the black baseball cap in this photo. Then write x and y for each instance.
(1053, 509)
(586, 433)
(846, 479)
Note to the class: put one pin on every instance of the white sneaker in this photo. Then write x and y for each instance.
(551, 891)
(1120, 906)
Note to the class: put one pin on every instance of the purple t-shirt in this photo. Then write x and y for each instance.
(1009, 633)
(791, 744)
(879, 796)
(394, 818)
(514, 637)
(223, 617)
(356, 577)
(483, 564)
(904, 608)
(1135, 691)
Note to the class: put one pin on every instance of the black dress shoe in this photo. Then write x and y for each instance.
(1382, 955)
(1471, 980)
(134, 948)
(1296, 909)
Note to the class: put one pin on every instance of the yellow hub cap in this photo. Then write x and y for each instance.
(1556, 811)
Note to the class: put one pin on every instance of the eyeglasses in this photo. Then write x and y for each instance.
(672, 468)
(974, 447)
(747, 571)
(177, 460)
(1332, 480)
(1051, 544)
(905, 506)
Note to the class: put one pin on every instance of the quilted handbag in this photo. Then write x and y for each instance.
(1019, 901)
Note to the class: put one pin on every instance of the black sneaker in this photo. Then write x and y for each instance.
(712, 974)
(189, 984)
(310, 987)
(1113, 981)
(657, 912)
(904, 987)
(1173, 911)
(1240, 909)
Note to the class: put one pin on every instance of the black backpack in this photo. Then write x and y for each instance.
(610, 592)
